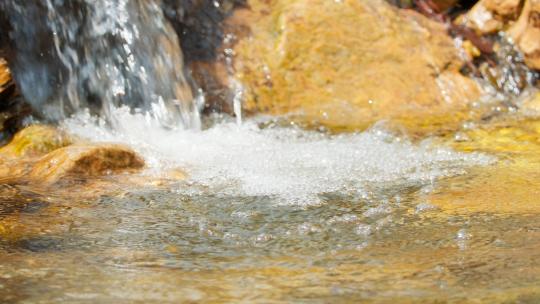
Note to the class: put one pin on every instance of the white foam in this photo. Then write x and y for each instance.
(293, 165)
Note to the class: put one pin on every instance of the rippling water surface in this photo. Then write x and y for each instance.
(268, 214)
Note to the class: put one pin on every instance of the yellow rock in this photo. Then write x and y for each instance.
(520, 19)
(35, 140)
(490, 16)
(481, 19)
(470, 50)
(85, 160)
(347, 64)
(505, 8)
(526, 33)
(531, 105)
(5, 76)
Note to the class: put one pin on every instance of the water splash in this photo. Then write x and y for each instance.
(292, 165)
(99, 55)
(238, 91)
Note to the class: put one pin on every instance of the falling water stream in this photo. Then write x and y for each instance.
(100, 55)
(270, 212)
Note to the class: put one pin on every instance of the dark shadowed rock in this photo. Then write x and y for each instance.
(199, 24)
(13, 109)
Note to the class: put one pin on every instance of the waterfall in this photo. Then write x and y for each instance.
(98, 55)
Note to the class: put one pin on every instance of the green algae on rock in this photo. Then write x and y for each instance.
(44, 155)
(348, 64)
(34, 141)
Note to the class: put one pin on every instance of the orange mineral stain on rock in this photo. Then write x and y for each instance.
(5, 75)
(348, 64)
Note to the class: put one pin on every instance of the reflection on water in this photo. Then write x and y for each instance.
(396, 240)
(158, 245)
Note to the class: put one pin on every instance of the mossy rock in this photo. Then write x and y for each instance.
(36, 140)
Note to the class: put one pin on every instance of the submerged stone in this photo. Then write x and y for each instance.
(508, 186)
(85, 160)
(347, 64)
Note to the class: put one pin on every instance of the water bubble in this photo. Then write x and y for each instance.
(293, 166)
(424, 207)
(462, 238)
(377, 211)
(462, 234)
(363, 230)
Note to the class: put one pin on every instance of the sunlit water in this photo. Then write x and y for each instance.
(269, 213)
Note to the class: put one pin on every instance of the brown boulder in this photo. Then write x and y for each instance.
(45, 155)
(347, 64)
(84, 161)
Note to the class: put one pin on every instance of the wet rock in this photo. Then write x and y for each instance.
(5, 76)
(526, 33)
(81, 160)
(34, 141)
(508, 9)
(442, 5)
(520, 19)
(44, 155)
(530, 106)
(491, 16)
(347, 64)
(509, 75)
(199, 24)
(482, 20)
(12, 108)
(201, 27)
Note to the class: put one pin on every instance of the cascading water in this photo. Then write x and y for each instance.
(268, 211)
(100, 55)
